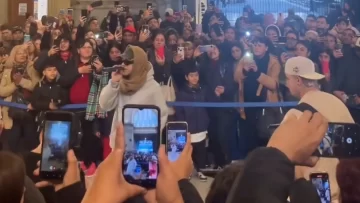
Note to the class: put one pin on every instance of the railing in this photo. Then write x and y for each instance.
(234, 8)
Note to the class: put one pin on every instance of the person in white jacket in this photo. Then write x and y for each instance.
(133, 84)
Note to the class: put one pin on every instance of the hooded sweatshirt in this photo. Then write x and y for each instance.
(148, 94)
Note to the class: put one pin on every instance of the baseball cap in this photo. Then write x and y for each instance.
(169, 12)
(129, 29)
(302, 67)
(17, 29)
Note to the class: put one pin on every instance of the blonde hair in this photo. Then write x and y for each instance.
(188, 44)
(11, 60)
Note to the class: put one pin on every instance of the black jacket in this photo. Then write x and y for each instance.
(45, 92)
(68, 70)
(219, 73)
(269, 177)
(196, 117)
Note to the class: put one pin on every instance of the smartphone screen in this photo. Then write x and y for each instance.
(145, 28)
(70, 11)
(322, 185)
(161, 52)
(142, 140)
(180, 51)
(149, 6)
(84, 12)
(57, 131)
(27, 38)
(341, 141)
(176, 138)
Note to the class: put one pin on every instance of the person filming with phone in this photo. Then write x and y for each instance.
(133, 83)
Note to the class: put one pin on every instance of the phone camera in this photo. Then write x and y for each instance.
(247, 33)
(349, 140)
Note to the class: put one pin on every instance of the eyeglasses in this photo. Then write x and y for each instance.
(128, 62)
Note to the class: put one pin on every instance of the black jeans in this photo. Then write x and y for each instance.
(199, 154)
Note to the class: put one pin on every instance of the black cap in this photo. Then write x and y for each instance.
(17, 29)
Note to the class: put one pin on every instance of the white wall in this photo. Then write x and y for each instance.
(42, 8)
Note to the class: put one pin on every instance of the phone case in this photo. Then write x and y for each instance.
(161, 52)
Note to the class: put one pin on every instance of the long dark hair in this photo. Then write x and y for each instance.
(12, 177)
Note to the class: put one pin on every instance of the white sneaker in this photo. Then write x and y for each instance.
(202, 177)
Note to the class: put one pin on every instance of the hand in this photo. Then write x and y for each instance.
(118, 36)
(197, 52)
(178, 58)
(110, 36)
(160, 60)
(338, 54)
(53, 50)
(300, 172)
(30, 107)
(220, 89)
(82, 21)
(302, 136)
(52, 105)
(85, 69)
(183, 166)
(37, 150)
(143, 36)
(98, 65)
(284, 57)
(167, 188)
(17, 78)
(357, 100)
(109, 184)
(116, 76)
(71, 177)
(341, 95)
(3, 58)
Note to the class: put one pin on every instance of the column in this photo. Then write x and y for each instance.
(54, 6)
(3, 11)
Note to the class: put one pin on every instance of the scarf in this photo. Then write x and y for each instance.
(138, 76)
(65, 55)
(93, 109)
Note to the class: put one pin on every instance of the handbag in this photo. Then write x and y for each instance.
(268, 116)
(16, 113)
(169, 94)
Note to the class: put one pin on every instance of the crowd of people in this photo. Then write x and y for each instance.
(153, 61)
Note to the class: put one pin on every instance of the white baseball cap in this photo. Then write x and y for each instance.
(170, 11)
(302, 67)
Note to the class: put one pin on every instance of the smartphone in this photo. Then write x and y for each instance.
(338, 47)
(180, 51)
(62, 11)
(282, 40)
(84, 12)
(70, 11)
(161, 52)
(184, 7)
(56, 144)
(247, 34)
(118, 29)
(142, 141)
(96, 4)
(27, 38)
(145, 28)
(120, 8)
(322, 185)
(341, 141)
(149, 6)
(176, 138)
(205, 48)
(249, 57)
(113, 69)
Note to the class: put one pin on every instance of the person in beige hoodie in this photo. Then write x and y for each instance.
(302, 81)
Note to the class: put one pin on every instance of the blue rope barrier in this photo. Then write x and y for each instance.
(175, 104)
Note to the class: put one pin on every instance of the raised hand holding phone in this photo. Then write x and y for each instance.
(116, 76)
(53, 50)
